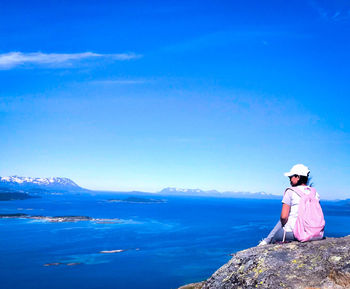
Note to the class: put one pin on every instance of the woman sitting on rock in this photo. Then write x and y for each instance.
(301, 217)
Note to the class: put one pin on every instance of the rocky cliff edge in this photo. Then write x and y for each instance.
(319, 264)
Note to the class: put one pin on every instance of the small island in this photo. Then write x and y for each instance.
(112, 251)
(117, 251)
(60, 263)
(60, 219)
(137, 200)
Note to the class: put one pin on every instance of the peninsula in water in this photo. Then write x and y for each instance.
(137, 200)
(11, 196)
(59, 219)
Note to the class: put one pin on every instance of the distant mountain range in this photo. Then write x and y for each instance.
(214, 193)
(38, 185)
(28, 187)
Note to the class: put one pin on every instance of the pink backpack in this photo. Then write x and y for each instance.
(310, 221)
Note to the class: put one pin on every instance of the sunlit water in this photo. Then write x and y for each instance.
(166, 244)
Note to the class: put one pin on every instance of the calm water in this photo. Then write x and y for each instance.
(167, 244)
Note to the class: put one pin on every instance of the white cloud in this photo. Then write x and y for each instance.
(14, 59)
(123, 56)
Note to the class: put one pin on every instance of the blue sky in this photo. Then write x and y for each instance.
(129, 95)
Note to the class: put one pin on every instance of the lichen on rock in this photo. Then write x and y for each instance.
(320, 264)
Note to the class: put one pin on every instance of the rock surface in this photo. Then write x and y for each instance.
(319, 264)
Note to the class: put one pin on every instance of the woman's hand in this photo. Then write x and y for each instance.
(285, 214)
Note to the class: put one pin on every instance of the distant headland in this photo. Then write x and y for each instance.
(29, 184)
(11, 196)
(22, 188)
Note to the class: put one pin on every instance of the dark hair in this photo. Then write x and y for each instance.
(303, 180)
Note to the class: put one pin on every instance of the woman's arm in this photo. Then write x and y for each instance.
(285, 214)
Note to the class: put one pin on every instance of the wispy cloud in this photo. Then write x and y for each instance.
(14, 59)
(121, 81)
(234, 38)
(332, 11)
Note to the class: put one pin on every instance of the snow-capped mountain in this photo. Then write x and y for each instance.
(214, 193)
(190, 192)
(31, 184)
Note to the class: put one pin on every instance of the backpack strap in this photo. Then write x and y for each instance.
(287, 190)
(296, 190)
(300, 193)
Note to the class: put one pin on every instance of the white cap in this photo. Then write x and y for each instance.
(299, 170)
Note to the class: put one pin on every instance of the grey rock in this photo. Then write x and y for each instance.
(319, 264)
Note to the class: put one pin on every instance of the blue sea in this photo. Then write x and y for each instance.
(165, 245)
